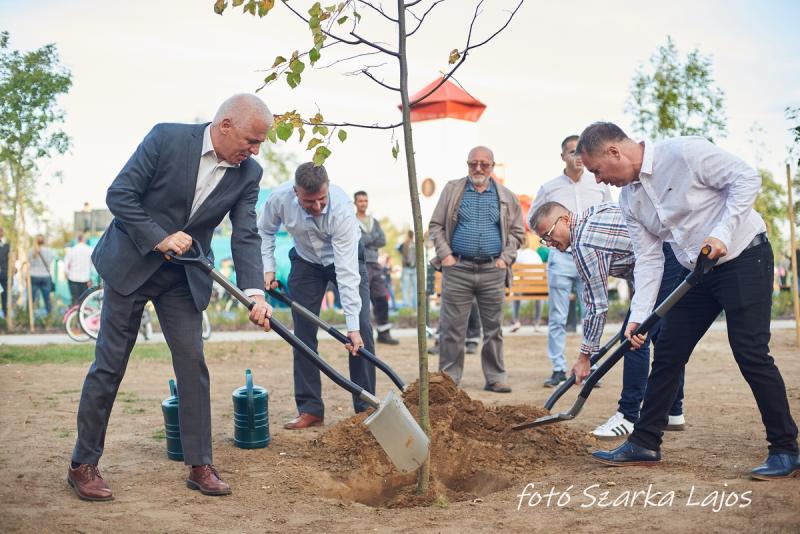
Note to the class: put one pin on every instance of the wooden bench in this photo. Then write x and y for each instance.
(529, 282)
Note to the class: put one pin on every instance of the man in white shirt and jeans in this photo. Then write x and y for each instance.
(78, 266)
(577, 190)
(689, 193)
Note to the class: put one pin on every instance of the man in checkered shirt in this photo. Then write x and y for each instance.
(601, 247)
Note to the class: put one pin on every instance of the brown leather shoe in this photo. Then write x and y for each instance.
(304, 420)
(206, 479)
(88, 484)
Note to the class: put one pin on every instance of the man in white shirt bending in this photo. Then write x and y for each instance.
(689, 193)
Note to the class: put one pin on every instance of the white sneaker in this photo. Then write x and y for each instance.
(616, 427)
(516, 326)
(676, 423)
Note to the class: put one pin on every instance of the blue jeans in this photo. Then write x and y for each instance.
(637, 362)
(561, 276)
(41, 284)
(408, 281)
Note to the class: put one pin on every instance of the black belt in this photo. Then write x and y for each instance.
(479, 260)
(760, 239)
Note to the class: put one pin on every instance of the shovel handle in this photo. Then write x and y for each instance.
(337, 335)
(201, 262)
(563, 388)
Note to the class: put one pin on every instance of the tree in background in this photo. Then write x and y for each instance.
(793, 115)
(341, 30)
(673, 97)
(30, 84)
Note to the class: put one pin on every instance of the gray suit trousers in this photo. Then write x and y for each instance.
(181, 324)
(461, 283)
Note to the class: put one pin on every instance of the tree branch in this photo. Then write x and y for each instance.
(361, 40)
(326, 32)
(378, 9)
(420, 19)
(365, 72)
(468, 47)
(348, 59)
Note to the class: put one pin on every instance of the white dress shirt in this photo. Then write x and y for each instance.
(78, 262)
(331, 238)
(688, 189)
(209, 174)
(575, 196)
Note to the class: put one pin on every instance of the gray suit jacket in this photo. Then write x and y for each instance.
(152, 197)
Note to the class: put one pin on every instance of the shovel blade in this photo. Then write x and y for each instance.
(399, 434)
(545, 420)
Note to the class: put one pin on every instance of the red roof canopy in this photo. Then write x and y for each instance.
(448, 100)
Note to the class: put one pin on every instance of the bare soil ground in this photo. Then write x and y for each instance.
(336, 478)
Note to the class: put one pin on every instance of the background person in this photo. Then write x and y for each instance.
(78, 267)
(577, 190)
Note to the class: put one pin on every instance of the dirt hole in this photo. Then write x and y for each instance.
(474, 452)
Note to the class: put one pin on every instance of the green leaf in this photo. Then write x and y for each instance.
(319, 38)
(314, 141)
(395, 149)
(270, 78)
(237, 3)
(357, 16)
(219, 6)
(342, 135)
(320, 155)
(284, 131)
(313, 55)
(301, 132)
(315, 10)
(293, 79)
(278, 61)
(251, 7)
(297, 66)
(342, 20)
(272, 135)
(313, 22)
(323, 130)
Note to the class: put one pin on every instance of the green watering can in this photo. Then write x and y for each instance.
(172, 427)
(250, 418)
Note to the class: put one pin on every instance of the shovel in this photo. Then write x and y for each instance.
(548, 405)
(339, 336)
(391, 423)
(702, 267)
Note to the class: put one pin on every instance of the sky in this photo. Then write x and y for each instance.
(558, 67)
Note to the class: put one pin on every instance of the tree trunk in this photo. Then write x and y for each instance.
(423, 476)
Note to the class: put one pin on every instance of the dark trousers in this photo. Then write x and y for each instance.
(75, 290)
(181, 324)
(4, 296)
(377, 295)
(743, 288)
(637, 362)
(307, 283)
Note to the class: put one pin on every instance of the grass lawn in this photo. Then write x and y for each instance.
(37, 354)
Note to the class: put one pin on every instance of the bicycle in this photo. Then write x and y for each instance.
(91, 307)
(73, 327)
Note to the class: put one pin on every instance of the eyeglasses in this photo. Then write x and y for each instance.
(481, 164)
(547, 237)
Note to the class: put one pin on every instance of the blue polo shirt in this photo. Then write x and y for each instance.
(477, 233)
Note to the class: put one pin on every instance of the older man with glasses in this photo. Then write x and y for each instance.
(576, 190)
(476, 229)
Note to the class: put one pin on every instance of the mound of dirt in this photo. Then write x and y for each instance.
(474, 452)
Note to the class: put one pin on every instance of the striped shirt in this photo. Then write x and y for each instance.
(601, 247)
(477, 233)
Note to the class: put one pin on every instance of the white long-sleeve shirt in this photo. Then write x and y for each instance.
(688, 189)
(331, 238)
(78, 262)
(575, 196)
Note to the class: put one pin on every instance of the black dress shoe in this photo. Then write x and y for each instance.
(778, 466)
(628, 454)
